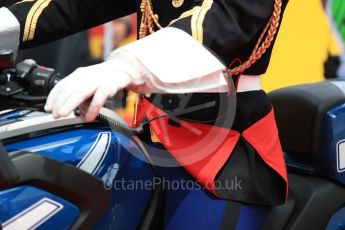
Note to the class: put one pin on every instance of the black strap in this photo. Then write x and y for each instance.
(230, 217)
(8, 173)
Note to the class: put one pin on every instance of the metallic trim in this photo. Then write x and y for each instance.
(186, 14)
(24, 1)
(177, 3)
(32, 18)
(43, 121)
(198, 20)
(198, 14)
(34, 216)
(37, 123)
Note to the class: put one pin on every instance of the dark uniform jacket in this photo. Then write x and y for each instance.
(230, 29)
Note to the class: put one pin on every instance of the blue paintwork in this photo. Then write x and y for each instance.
(333, 131)
(71, 146)
(16, 200)
(129, 203)
(337, 221)
(189, 206)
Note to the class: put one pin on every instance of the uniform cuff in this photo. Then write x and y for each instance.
(173, 62)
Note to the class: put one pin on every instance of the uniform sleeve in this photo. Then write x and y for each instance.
(226, 25)
(7, 3)
(47, 20)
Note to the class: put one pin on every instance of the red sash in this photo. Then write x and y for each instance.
(214, 143)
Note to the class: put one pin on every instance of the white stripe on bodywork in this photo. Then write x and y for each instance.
(5, 111)
(33, 216)
(50, 145)
(341, 156)
(36, 122)
(93, 159)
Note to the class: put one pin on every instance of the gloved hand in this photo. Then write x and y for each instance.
(97, 83)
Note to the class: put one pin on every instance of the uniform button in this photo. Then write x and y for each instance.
(177, 3)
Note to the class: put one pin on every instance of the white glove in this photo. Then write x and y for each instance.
(9, 31)
(98, 83)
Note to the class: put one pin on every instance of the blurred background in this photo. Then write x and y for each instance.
(84, 48)
(309, 45)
